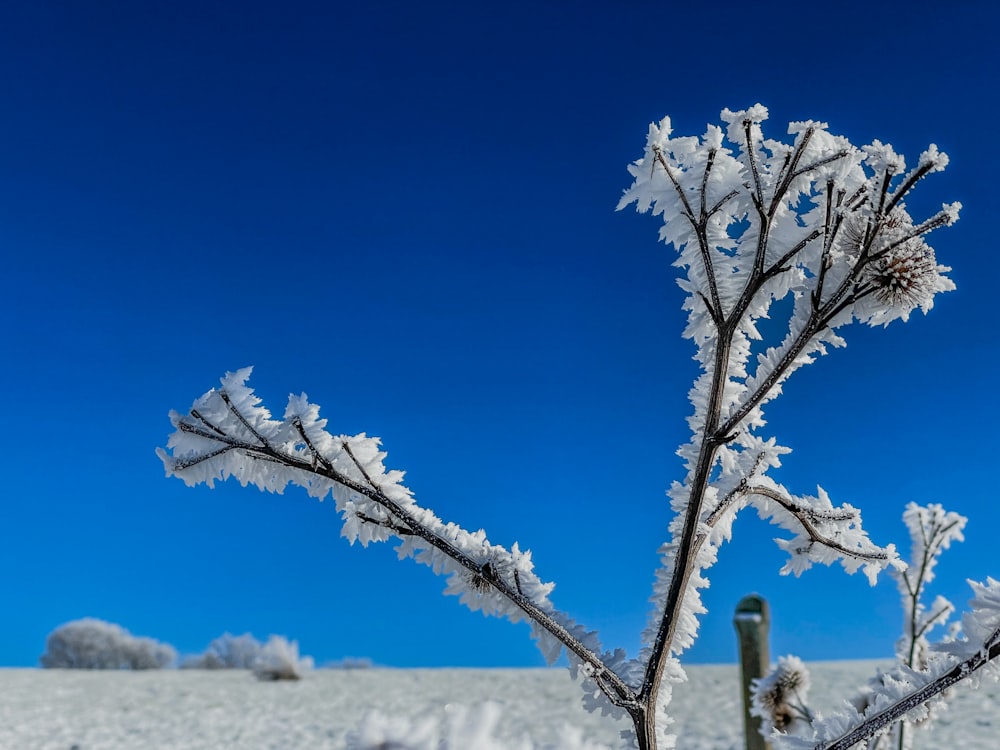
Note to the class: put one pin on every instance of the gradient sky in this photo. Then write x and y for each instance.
(407, 211)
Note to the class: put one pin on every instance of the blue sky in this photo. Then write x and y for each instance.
(407, 211)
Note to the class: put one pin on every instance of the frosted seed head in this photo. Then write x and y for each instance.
(905, 277)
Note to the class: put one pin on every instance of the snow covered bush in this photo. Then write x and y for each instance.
(95, 644)
(278, 659)
(227, 652)
(813, 221)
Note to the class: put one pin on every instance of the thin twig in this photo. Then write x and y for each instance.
(805, 516)
(887, 176)
(918, 174)
(317, 456)
(939, 219)
(709, 161)
(739, 490)
(236, 412)
(658, 154)
(214, 428)
(779, 265)
(181, 465)
(699, 226)
(224, 438)
(820, 163)
(722, 201)
(788, 172)
(758, 190)
(829, 236)
(386, 523)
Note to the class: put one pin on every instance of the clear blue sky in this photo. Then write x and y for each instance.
(407, 211)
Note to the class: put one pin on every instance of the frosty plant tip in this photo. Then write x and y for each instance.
(780, 698)
(813, 220)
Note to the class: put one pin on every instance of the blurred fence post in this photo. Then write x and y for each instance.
(753, 622)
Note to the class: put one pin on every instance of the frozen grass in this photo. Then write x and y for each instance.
(215, 710)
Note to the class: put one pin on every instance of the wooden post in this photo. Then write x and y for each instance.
(753, 622)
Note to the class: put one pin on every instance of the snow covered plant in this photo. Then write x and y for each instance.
(95, 644)
(278, 659)
(228, 651)
(918, 663)
(816, 222)
(779, 699)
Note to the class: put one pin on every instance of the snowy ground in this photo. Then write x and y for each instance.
(193, 710)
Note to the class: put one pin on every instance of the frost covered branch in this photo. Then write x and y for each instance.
(228, 434)
(912, 703)
(829, 528)
(781, 226)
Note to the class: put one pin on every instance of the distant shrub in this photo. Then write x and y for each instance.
(228, 651)
(279, 660)
(95, 644)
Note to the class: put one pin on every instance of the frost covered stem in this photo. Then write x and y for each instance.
(876, 723)
(613, 687)
(914, 590)
(805, 517)
(683, 564)
(831, 226)
(918, 174)
(713, 435)
(758, 192)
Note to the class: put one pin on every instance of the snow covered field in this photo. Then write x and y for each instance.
(196, 710)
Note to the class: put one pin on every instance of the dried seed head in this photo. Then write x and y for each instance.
(852, 234)
(905, 276)
(778, 713)
(479, 582)
(779, 698)
(791, 676)
(857, 228)
(495, 567)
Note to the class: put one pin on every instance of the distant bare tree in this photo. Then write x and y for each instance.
(279, 660)
(95, 644)
(228, 651)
